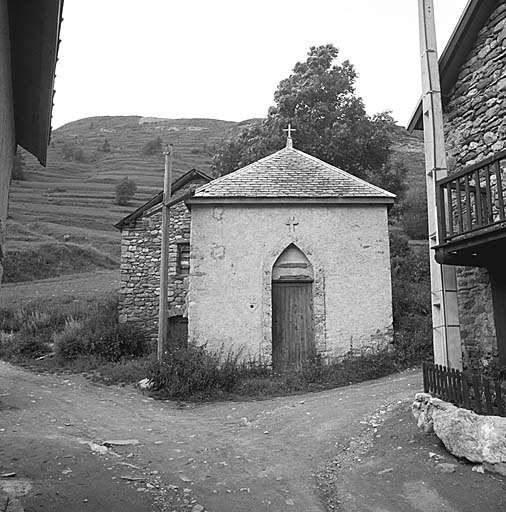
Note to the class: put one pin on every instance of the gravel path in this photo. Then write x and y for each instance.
(221, 457)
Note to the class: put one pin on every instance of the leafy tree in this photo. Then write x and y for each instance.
(78, 155)
(125, 190)
(331, 123)
(153, 146)
(18, 168)
(68, 151)
(105, 147)
(73, 153)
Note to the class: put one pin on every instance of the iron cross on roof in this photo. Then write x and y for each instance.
(289, 131)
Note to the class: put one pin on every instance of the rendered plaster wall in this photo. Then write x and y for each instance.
(475, 128)
(233, 250)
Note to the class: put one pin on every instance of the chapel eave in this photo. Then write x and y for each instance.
(199, 200)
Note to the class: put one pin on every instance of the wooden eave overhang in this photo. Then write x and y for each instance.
(484, 248)
(473, 19)
(34, 37)
(157, 200)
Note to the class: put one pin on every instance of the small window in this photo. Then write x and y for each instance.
(183, 259)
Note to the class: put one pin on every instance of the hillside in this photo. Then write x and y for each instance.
(67, 211)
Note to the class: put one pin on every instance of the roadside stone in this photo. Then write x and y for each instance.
(198, 508)
(121, 442)
(446, 467)
(145, 384)
(97, 448)
(480, 439)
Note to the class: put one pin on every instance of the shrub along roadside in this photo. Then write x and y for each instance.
(82, 338)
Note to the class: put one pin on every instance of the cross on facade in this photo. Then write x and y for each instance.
(289, 131)
(291, 223)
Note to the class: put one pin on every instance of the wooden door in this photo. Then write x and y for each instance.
(292, 324)
(177, 332)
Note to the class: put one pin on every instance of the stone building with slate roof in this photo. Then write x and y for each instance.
(283, 260)
(290, 260)
(140, 259)
(472, 225)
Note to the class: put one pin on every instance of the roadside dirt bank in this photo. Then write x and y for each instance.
(392, 466)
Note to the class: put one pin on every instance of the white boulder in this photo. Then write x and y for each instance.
(479, 439)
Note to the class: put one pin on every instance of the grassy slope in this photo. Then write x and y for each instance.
(71, 203)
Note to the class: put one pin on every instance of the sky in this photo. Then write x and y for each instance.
(223, 59)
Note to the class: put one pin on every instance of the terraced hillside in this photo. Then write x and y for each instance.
(61, 218)
(67, 211)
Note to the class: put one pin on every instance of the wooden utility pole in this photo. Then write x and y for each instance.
(7, 131)
(164, 253)
(445, 316)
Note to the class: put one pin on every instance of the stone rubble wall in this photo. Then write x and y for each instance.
(479, 439)
(140, 265)
(475, 128)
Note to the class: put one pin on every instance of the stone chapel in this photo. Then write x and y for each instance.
(283, 260)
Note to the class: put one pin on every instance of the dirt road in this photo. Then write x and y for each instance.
(224, 457)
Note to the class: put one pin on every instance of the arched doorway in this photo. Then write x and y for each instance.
(292, 310)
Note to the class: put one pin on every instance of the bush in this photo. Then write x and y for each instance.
(415, 218)
(411, 302)
(125, 190)
(153, 146)
(105, 147)
(100, 335)
(22, 345)
(73, 153)
(194, 373)
(94, 332)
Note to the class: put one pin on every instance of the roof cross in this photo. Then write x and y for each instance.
(289, 131)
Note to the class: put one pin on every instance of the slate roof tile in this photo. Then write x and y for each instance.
(290, 173)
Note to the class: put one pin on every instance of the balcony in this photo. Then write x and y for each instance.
(472, 214)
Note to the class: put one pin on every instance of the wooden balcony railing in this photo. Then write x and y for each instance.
(473, 199)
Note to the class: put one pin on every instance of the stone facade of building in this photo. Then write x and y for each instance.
(475, 128)
(140, 258)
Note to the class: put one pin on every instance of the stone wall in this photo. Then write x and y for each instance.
(234, 248)
(475, 128)
(140, 265)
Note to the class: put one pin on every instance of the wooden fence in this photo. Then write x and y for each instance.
(469, 391)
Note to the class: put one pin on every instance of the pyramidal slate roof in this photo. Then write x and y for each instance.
(291, 174)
